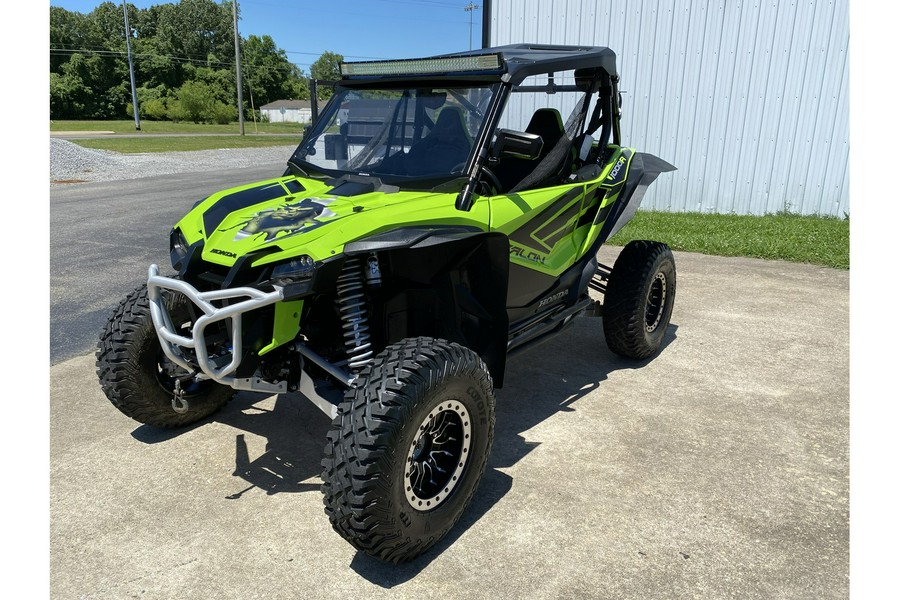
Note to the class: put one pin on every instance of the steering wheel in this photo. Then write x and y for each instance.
(493, 180)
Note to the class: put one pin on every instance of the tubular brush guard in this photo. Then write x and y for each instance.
(172, 343)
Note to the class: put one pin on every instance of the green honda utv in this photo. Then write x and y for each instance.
(438, 217)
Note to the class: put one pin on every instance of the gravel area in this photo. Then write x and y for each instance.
(71, 163)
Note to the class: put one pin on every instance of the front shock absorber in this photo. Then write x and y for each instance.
(351, 301)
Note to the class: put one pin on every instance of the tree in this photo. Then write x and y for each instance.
(72, 92)
(153, 67)
(327, 67)
(174, 44)
(68, 96)
(106, 27)
(299, 89)
(85, 54)
(200, 31)
(268, 72)
(196, 101)
(153, 103)
(66, 35)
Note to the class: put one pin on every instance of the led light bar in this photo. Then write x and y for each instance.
(452, 64)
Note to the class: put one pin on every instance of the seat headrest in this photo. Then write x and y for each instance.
(450, 124)
(547, 123)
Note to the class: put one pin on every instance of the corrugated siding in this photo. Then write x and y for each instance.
(749, 99)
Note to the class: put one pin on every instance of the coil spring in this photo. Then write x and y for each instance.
(351, 303)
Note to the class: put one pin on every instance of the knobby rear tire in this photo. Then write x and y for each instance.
(639, 298)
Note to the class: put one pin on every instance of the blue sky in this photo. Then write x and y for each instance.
(358, 29)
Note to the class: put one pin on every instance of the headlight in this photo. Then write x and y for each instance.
(296, 269)
(178, 248)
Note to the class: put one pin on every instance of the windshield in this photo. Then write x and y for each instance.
(396, 134)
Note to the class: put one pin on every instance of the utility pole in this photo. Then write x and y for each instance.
(237, 63)
(470, 8)
(486, 24)
(134, 102)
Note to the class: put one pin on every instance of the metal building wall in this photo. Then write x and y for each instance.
(748, 98)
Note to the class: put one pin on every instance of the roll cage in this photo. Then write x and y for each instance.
(504, 70)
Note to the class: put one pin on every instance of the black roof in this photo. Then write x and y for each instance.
(518, 62)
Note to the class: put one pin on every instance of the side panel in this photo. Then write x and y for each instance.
(550, 229)
(554, 232)
(540, 225)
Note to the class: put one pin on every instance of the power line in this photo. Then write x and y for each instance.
(99, 50)
(344, 55)
(119, 54)
(62, 47)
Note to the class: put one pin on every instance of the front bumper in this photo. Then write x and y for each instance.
(218, 368)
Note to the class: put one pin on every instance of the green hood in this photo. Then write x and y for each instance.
(300, 216)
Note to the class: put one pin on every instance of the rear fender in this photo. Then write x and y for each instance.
(642, 170)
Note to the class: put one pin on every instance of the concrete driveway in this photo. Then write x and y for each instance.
(718, 469)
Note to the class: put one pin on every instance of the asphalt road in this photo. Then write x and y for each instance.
(104, 236)
(717, 469)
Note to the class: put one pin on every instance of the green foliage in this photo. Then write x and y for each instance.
(191, 41)
(154, 109)
(269, 74)
(196, 101)
(154, 68)
(222, 113)
(196, 29)
(110, 104)
(299, 88)
(153, 102)
(66, 34)
(327, 67)
(68, 95)
(175, 112)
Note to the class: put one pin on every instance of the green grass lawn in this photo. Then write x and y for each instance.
(178, 143)
(806, 239)
(171, 127)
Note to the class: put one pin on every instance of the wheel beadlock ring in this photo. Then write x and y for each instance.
(437, 456)
(656, 302)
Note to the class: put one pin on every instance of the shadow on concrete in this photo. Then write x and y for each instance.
(540, 383)
(294, 430)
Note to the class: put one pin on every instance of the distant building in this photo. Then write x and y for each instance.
(287, 111)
